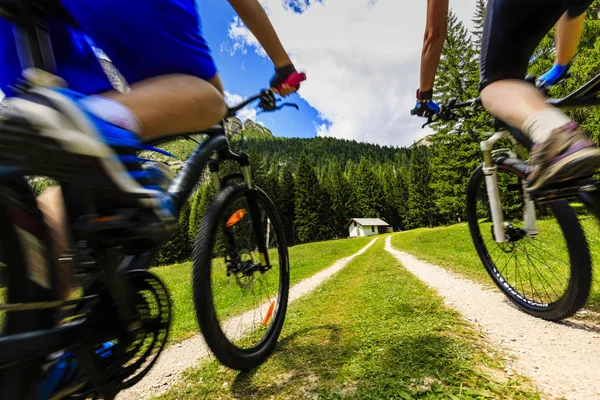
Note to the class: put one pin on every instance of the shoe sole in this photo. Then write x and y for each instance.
(39, 153)
(581, 164)
(75, 151)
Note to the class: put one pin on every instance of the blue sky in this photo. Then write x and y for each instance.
(246, 73)
(361, 57)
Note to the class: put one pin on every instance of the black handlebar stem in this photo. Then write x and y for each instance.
(267, 103)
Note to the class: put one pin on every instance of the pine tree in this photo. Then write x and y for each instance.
(286, 203)
(455, 151)
(259, 169)
(271, 185)
(200, 201)
(421, 205)
(402, 190)
(395, 196)
(453, 159)
(457, 73)
(179, 246)
(339, 191)
(368, 191)
(478, 22)
(307, 202)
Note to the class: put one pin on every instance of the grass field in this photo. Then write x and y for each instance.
(305, 260)
(373, 331)
(453, 248)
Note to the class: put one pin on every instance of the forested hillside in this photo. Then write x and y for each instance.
(317, 183)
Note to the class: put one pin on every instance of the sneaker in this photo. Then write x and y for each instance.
(566, 155)
(63, 135)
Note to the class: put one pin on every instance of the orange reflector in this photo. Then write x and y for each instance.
(236, 217)
(269, 314)
(108, 218)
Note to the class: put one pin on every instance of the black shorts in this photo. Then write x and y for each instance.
(512, 31)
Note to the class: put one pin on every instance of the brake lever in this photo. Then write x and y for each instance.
(288, 105)
(429, 121)
(267, 101)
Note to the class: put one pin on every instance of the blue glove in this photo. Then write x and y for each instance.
(553, 75)
(425, 106)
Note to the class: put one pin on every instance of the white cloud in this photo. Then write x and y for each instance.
(244, 113)
(362, 59)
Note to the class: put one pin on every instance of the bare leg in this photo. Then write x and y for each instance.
(52, 206)
(513, 101)
(163, 105)
(173, 104)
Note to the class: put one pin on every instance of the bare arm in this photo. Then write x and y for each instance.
(435, 35)
(568, 34)
(257, 21)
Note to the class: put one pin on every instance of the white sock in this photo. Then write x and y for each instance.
(541, 124)
(112, 112)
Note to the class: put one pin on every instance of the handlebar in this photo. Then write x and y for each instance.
(446, 114)
(267, 103)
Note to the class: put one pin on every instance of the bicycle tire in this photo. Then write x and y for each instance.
(225, 351)
(21, 226)
(580, 278)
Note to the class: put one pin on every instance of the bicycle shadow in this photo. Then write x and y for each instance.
(571, 322)
(287, 353)
(580, 325)
(406, 363)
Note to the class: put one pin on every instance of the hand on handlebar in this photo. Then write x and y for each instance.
(553, 76)
(286, 80)
(425, 108)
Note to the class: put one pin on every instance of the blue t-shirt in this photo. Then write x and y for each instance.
(143, 39)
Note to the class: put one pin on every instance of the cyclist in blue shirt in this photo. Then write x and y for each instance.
(158, 47)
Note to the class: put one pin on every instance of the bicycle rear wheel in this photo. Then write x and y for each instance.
(240, 304)
(547, 275)
(26, 276)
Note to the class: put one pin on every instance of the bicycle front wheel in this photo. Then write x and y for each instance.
(548, 274)
(240, 299)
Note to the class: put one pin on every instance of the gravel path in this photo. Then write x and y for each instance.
(177, 358)
(562, 360)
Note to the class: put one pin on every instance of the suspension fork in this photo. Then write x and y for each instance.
(213, 166)
(255, 214)
(491, 184)
(529, 217)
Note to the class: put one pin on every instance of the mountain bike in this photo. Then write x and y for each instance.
(532, 245)
(118, 323)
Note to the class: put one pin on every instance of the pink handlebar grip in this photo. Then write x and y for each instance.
(295, 78)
